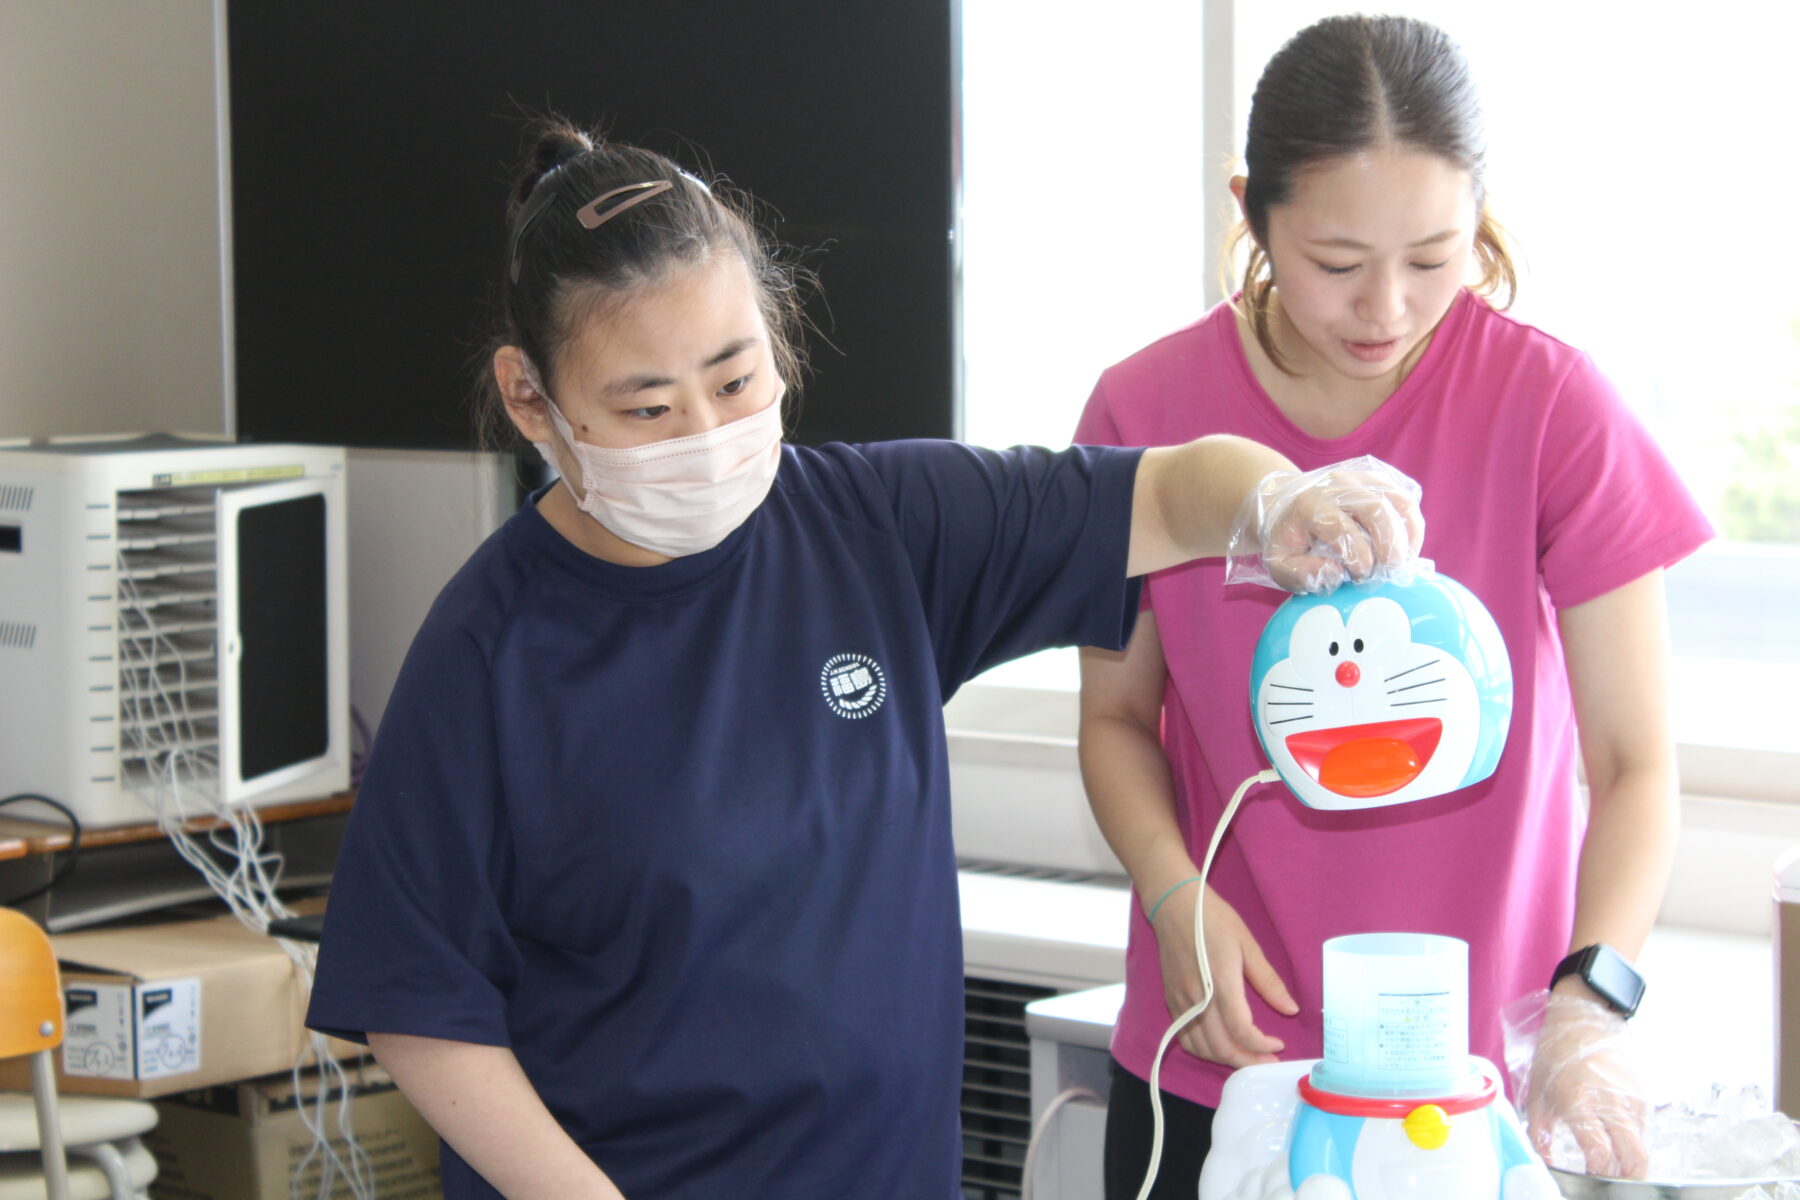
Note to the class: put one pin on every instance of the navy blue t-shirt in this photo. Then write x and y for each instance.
(680, 835)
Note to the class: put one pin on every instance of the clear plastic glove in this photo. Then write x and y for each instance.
(1226, 1031)
(1571, 1071)
(1358, 520)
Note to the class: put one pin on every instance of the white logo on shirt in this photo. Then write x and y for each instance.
(853, 685)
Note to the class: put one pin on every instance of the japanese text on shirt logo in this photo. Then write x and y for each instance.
(853, 685)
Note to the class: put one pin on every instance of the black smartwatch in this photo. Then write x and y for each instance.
(1608, 973)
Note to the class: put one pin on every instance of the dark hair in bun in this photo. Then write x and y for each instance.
(555, 143)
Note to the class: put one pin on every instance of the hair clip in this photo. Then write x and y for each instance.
(591, 216)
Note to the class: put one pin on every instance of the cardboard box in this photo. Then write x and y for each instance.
(244, 1141)
(156, 1009)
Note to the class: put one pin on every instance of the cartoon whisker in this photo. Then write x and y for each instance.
(1290, 687)
(1404, 703)
(1410, 670)
(1288, 703)
(1409, 687)
(1287, 720)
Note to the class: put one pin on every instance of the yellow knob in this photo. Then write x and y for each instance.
(1427, 1127)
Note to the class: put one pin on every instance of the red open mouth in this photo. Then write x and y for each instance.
(1367, 760)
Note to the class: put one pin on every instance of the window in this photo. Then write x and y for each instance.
(1081, 232)
(1640, 166)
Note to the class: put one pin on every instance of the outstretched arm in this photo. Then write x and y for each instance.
(1311, 531)
(1187, 496)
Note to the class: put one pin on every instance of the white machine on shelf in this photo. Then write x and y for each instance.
(172, 623)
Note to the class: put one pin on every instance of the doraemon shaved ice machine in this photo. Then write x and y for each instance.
(1376, 694)
(1397, 1109)
(1380, 693)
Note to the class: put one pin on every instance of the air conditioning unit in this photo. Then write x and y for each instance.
(1031, 936)
(1044, 911)
(173, 624)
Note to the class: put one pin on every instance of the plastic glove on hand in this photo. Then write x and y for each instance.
(1355, 520)
(1571, 1070)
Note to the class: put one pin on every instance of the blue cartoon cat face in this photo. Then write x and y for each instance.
(1382, 693)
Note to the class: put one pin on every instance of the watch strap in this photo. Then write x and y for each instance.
(1607, 973)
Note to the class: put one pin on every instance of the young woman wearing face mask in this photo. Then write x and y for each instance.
(648, 889)
(1357, 331)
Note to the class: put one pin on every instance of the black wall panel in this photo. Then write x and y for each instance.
(372, 143)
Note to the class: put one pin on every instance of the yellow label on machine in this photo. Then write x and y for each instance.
(228, 475)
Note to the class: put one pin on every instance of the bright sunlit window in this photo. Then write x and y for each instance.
(1640, 165)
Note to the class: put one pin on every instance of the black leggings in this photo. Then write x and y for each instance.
(1187, 1136)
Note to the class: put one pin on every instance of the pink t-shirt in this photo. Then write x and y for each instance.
(1541, 491)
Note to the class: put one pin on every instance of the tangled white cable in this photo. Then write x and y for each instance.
(180, 784)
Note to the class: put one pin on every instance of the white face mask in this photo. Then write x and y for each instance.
(679, 496)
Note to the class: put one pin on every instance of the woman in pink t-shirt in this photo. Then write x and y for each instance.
(1357, 332)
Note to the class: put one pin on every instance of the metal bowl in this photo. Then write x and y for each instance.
(1575, 1186)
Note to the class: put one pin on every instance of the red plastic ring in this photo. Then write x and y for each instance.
(1366, 1106)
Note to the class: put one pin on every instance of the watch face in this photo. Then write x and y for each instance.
(1613, 978)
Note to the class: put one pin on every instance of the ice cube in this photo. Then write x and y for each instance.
(1755, 1149)
(1680, 1143)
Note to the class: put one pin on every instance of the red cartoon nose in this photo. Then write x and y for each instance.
(1348, 673)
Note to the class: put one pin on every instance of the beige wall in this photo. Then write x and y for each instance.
(415, 515)
(109, 218)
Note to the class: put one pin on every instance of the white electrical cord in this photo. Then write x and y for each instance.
(1074, 1095)
(1206, 980)
(180, 783)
